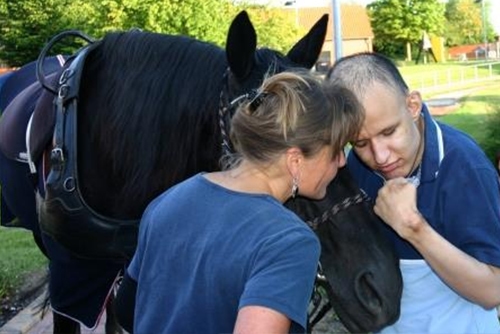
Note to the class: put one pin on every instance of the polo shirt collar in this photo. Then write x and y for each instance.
(433, 149)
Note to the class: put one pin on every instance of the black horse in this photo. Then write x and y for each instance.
(141, 112)
(356, 262)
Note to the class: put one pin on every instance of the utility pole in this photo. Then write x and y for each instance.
(337, 29)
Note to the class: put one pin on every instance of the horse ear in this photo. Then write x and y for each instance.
(306, 51)
(241, 45)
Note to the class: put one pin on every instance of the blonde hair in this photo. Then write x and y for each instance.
(294, 109)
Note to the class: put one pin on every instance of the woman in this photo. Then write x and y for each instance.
(219, 253)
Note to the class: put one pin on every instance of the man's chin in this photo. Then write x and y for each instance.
(390, 175)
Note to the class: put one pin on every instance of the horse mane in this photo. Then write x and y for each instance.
(178, 82)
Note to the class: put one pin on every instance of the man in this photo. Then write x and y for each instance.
(439, 194)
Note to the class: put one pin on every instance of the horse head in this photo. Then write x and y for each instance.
(359, 264)
(248, 65)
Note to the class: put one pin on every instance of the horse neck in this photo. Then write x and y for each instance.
(148, 120)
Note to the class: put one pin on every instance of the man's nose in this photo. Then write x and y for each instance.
(380, 152)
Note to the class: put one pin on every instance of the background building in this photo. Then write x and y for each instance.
(356, 31)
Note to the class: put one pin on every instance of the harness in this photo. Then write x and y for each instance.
(64, 214)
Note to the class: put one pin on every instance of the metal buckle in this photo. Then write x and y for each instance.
(56, 156)
(63, 91)
(64, 76)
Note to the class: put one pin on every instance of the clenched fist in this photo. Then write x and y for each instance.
(396, 205)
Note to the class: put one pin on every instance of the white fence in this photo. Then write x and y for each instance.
(453, 78)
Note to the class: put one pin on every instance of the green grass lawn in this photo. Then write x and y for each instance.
(476, 108)
(477, 111)
(409, 69)
(19, 256)
(448, 75)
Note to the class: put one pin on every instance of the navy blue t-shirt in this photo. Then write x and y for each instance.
(458, 195)
(205, 251)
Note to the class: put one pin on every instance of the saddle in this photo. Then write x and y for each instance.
(28, 119)
(21, 78)
(22, 100)
(64, 214)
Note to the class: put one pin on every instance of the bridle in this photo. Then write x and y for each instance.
(226, 112)
(345, 204)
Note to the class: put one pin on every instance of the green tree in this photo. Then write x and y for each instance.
(205, 20)
(275, 29)
(403, 22)
(463, 22)
(28, 24)
(89, 16)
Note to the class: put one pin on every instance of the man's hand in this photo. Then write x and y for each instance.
(396, 204)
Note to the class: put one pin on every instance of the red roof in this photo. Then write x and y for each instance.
(464, 49)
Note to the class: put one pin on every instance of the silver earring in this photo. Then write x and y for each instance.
(295, 187)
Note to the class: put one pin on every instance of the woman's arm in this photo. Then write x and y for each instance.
(259, 319)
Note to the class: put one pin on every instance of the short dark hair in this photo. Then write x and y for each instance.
(360, 70)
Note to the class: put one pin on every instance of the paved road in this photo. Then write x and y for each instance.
(32, 321)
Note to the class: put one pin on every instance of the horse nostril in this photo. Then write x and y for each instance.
(367, 293)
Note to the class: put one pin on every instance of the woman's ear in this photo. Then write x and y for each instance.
(414, 104)
(293, 161)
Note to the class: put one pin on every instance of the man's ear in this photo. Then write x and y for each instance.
(414, 104)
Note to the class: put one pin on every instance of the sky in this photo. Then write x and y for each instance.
(495, 15)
